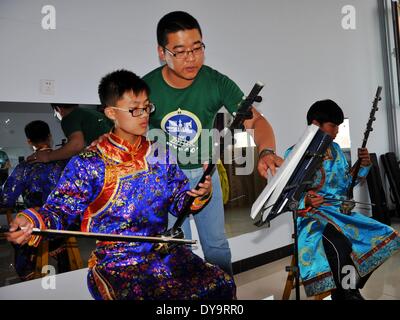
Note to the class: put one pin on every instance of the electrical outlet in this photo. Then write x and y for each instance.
(47, 87)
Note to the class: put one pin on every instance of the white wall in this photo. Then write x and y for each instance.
(297, 48)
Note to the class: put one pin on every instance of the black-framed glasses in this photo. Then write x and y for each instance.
(180, 55)
(137, 112)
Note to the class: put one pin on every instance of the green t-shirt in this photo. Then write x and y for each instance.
(184, 113)
(91, 122)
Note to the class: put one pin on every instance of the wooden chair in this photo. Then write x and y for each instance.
(42, 259)
(290, 285)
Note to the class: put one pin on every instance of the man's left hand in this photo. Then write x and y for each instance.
(205, 187)
(269, 162)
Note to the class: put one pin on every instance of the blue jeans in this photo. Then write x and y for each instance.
(210, 224)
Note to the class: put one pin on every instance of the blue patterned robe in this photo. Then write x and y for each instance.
(120, 188)
(372, 242)
(34, 181)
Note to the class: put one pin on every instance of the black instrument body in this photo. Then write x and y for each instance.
(369, 128)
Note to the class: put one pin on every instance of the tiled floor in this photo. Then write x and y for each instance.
(265, 281)
(238, 221)
(269, 280)
(259, 283)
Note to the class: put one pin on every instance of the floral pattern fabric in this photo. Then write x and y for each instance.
(372, 242)
(120, 188)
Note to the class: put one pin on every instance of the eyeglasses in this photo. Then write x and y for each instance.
(137, 112)
(180, 55)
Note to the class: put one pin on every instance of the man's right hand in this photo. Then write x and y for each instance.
(39, 156)
(20, 231)
(99, 140)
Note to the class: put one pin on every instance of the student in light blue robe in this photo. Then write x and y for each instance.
(338, 251)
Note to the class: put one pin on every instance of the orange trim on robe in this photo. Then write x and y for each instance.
(35, 239)
(126, 159)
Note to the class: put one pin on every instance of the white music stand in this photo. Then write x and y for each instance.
(285, 189)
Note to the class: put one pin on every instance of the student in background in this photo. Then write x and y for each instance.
(34, 182)
(80, 125)
(338, 251)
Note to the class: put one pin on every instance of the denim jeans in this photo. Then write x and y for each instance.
(210, 224)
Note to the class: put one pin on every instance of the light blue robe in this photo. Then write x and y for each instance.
(372, 242)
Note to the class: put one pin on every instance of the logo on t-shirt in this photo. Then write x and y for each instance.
(183, 128)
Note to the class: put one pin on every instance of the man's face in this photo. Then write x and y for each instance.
(188, 66)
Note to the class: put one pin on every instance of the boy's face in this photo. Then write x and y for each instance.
(329, 128)
(127, 126)
(189, 65)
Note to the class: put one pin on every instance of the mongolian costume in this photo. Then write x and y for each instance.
(367, 243)
(122, 188)
(34, 181)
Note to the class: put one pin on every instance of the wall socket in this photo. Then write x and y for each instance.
(47, 87)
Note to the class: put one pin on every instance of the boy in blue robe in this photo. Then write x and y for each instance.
(338, 251)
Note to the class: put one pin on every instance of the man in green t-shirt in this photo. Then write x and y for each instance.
(188, 95)
(80, 126)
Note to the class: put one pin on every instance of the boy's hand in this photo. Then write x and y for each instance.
(313, 199)
(205, 187)
(364, 157)
(21, 236)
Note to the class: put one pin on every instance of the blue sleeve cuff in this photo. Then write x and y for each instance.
(364, 171)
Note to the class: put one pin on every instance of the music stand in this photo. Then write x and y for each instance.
(285, 190)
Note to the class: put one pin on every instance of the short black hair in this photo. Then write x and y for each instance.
(115, 84)
(37, 131)
(173, 22)
(64, 105)
(325, 111)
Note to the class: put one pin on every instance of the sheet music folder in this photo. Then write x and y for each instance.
(293, 177)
